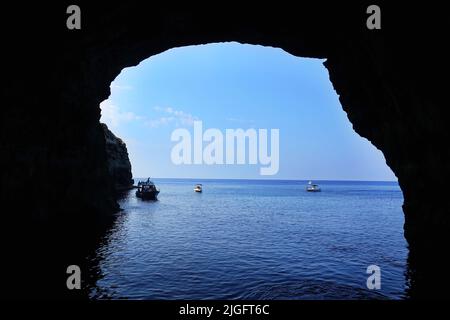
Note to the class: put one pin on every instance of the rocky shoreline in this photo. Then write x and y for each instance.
(118, 162)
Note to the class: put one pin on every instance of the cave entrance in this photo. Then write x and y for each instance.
(232, 86)
(245, 227)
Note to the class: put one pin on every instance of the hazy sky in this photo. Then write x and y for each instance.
(230, 86)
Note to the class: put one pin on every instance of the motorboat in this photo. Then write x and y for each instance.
(147, 190)
(198, 188)
(312, 187)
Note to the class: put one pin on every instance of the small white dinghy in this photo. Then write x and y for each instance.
(312, 187)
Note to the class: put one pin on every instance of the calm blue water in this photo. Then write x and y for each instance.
(243, 239)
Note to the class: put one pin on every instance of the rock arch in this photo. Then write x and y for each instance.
(385, 79)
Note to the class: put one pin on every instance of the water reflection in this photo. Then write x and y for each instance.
(141, 256)
(422, 280)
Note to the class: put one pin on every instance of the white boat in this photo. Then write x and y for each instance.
(198, 188)
(312, 187)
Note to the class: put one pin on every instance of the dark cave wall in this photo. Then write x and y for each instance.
(390, 91)
(382, 78)
(56, 78)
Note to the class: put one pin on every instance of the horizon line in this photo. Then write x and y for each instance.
(253, 179)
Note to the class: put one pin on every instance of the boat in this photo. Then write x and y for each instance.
(312, 187)
(147, 190)
(198, 188)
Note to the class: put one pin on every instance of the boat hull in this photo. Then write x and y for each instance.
(151, 195)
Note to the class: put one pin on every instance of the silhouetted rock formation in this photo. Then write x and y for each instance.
(388, 81)
(119, 166)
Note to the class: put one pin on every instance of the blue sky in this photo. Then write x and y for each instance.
(231, 86)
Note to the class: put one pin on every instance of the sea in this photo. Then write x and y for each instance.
(255, 239)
